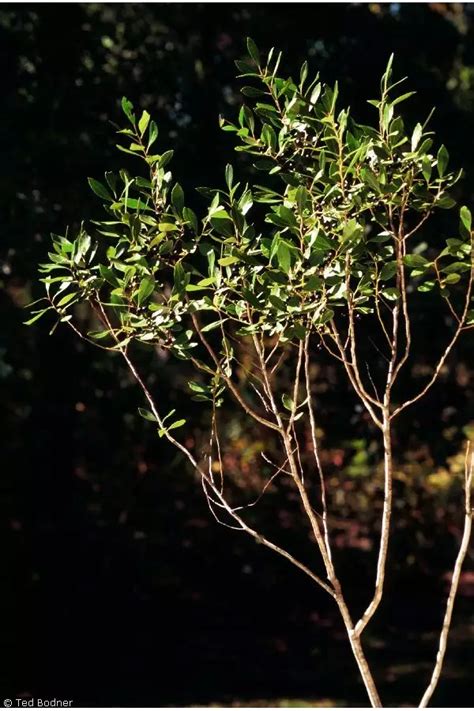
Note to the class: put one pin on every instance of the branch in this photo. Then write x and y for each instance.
(460, 327)
(243, 526)
(315, 447)
(350, 370)
(245, 406)
(443, 640)
(385, 527)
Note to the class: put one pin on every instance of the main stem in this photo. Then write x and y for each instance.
(356, 646)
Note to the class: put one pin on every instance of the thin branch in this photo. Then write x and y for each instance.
(348, 365)
(434, 377)
(316, 448)
(443, 640)
(257, 536)
(449, 347)
(295, 387)
(245, 406)
(272, 464)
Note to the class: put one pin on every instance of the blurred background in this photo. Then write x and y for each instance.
(117, 586)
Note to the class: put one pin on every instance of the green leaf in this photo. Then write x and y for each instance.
(403, 97)
(278, 303)
(315, 94)
(175, 425)
(177, 198)
(287, 402)
(426, 168)
(269, 137)
(303, 198)
(190, 217)
(284, 257)
(415, 139)
(322, 243)
(111, 180)
(147, 414)
(66, 299)
(252, 92)
(253, 50)
(213, 325)
(388, 271)
(370, 179)
(143, 123)
(132, 204)
(81, 247)
(392, 294)
(456, 267)
(427, 286)
(445, 202)
(165, 159)
(245, 202)
(415, 260)
(314, 283)
(452, 279)
(127, 108)
(152, 134)
(246, 68)
(146, 289)
(37, 316)
(229, 175)
(109, 276)
(326, 316)
(227, 261)
(442, 160)
(303, 73)
(179, 277)
(466, 219)
(351, 229)
(99, 189)
(168, 227)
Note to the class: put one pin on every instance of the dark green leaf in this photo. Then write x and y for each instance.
(146, 289)
(190, 217)
(252, 91)
(253, 50)
(284, 257)
(152, 134)
(108, 275)
(177, 198)
(388, 271)
(99, 189)
(287, 402)
(456, 267)
(442, 161)
(165, 159)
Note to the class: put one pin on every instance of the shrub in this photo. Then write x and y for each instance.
(327, 248)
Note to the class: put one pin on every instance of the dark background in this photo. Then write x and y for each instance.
(118, 587)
